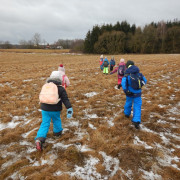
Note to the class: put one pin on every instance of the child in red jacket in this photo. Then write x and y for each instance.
(120, 71)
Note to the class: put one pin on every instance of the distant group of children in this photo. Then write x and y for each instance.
(131, 81)
(53, 94)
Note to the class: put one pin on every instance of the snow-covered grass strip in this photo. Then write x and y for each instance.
(150, 175)
(137, 141)
(91, 94)
(88, 171)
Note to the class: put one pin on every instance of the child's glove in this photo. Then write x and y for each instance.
(69, 113)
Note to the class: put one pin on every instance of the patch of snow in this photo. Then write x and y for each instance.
(92, 126)
(73, 123)
(8, 125)
(91, 94)
(161, 105)
(26, 134)
(88, 171)
(22, 143)
(91, 116)
(137, 141)
(110, 123)
(174, 110)
(27, 80)
(61, 145)
(49, 161)
(83, 148)
(111, 164)
(165, 140)
(172, 118)
(150, 175)
(58, 173)
(161, 121)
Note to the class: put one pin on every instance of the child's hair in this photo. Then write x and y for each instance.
(129, 62)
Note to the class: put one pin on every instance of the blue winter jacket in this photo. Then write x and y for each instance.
(112, 62)
(104, 61)
(126, 83)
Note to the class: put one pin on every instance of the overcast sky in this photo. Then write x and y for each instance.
(71, 19)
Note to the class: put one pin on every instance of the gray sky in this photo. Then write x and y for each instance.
(71, 19)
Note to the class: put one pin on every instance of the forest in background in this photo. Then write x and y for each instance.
(120, 38)
(161, 37)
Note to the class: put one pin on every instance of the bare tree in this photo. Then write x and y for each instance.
(36, 39)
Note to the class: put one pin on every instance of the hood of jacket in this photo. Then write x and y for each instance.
(56, 81)
(61, 69)
(132, 70)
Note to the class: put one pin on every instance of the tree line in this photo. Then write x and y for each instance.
(161, 37)
(36, 42)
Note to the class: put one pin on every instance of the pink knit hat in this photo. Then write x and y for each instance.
(61, 65)
(121, 60)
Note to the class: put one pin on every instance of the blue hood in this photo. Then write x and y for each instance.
(132, 70)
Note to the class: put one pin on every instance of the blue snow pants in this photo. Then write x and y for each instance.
(101, 66)
(136, 108)
(46, 120)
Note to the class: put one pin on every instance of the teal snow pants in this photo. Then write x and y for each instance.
(46, 120)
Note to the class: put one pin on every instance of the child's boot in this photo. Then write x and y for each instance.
(136, 125)
(38, 145)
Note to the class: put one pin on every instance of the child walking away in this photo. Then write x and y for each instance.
(65, 79)
(120, 72)
(132, 83)
(105, 65)
(51, 97)
(112, 63)
(101, 62)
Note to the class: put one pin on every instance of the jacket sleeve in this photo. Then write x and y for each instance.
(115, 70)
(144, 79)
(124, 85)
(64, 97)
(67, 81)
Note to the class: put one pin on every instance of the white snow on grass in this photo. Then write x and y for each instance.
(174, 110)
(137, 141)
(88, 171)
(111, 164)
(61, 145)
(91, 94)
(10, 125)
(58, 173)
(73, 123)
(23, 143)
(161, 105)
(14, 122)
(50, 160)
(167, 158)
(83, 148)
(150, 175)
(25, 135)
(90, 116)
(91, 126)
(6, 84)
(27, 80)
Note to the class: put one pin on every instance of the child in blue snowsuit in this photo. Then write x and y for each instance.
(105, 65)
(53, 111)
(132, 95)
(112, 64)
